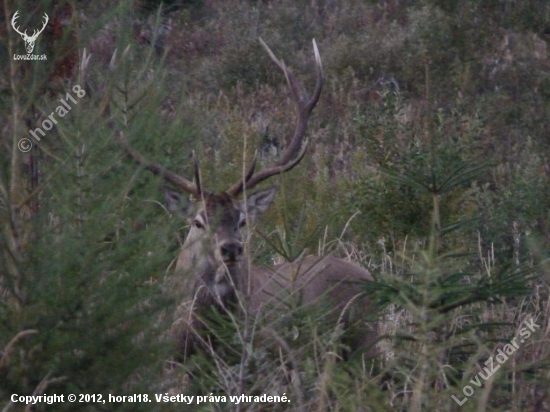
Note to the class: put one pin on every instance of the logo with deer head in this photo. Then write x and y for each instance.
(29, 40)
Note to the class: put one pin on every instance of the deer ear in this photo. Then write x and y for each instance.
(258, 202)
(176, 202)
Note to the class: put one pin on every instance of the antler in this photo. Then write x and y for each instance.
(35, 33)
(294, 153)
(15, 16)
(194, 189)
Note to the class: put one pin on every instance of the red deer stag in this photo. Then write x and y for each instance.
(214, 252)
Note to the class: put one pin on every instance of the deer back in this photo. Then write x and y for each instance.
(315, 283)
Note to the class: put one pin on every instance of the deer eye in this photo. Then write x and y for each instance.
(242, 224)
(198, 224)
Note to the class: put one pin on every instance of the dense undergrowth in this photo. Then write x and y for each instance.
(428, 164)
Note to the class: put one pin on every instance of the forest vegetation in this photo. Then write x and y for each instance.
(428, 165)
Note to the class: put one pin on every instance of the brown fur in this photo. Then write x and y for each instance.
(322, 282)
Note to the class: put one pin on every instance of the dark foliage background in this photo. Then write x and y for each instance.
(429, 165)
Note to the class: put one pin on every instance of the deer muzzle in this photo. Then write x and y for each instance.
(231, 252)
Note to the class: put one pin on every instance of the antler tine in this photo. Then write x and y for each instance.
(278, 62)
(171, 177)
(197, 175)
(275, 170)
(46, 20)
(252, 167)
(294, 152)
(320, 78)
(239, 186)
(13, 20)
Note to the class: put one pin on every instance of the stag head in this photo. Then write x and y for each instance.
(29, 40)
(217, 223)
